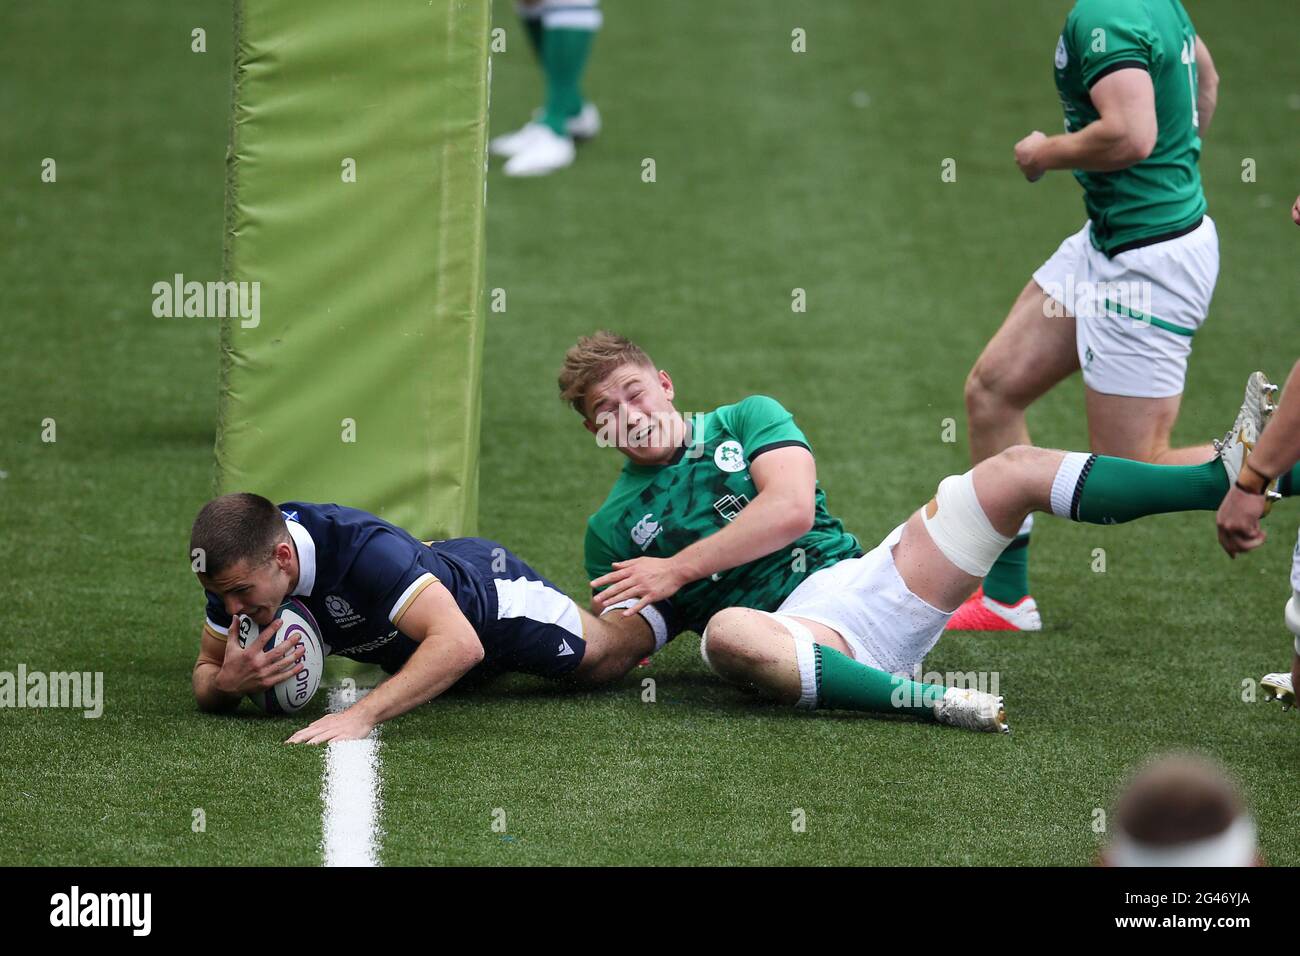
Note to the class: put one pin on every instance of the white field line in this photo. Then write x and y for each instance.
(350, 796)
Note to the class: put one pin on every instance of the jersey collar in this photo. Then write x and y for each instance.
(306, 558)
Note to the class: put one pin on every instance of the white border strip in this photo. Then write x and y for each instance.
(350, 795)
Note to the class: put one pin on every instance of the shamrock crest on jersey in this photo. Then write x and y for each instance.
(729, 456)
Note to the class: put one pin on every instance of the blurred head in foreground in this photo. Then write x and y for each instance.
(1182, 811)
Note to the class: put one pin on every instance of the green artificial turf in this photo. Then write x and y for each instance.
(775, 171)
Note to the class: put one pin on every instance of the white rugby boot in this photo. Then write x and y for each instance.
(544, 152)
(1278, 687)
(1257, 408)
(509, 144)
(972, 709)
(586, 125)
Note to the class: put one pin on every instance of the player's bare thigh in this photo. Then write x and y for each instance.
(1138, 428)
(1032, 351)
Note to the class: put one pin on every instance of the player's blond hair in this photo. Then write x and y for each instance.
(591, 360)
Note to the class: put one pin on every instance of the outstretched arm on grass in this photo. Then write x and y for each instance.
(449, 647)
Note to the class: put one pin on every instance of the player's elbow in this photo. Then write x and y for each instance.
(1142, 144)
(1127, 140)
(472, 649)
(799, 517)
(1135, 145)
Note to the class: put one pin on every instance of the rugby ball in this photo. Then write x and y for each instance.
(293, 693)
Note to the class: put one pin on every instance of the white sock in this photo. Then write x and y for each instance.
(1066, 483)
(571, 15)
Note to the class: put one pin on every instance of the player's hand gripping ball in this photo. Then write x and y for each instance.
(299, 627)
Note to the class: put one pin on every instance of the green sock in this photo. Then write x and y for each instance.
(533, 27)
(564, 56)
(1115, 490)
(1008, 579)
(846, 684)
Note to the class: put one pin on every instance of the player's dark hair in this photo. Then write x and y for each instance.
(593, 358)
(1176, 800)
(234, 528)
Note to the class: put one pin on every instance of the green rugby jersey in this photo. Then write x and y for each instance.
(656, 511)
(1160, 196)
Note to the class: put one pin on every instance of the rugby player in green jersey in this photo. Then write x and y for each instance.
(1121, 298)
(717, 525)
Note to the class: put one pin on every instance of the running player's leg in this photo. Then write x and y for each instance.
(546, 145)
(568, 27)
(530, 15)
(1033, 350)
(1138, 428)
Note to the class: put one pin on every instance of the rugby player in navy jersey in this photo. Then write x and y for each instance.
(428, 613)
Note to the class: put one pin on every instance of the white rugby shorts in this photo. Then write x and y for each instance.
(1135, 314)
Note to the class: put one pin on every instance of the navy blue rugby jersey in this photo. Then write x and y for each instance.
(358, 574)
